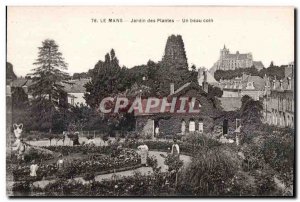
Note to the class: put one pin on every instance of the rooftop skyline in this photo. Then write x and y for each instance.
(266, 32)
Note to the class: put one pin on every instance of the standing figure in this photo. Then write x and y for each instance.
(157, 132)
(144, 153)
(60, 163)
(33, 168)
(76, 139)
(175, 148)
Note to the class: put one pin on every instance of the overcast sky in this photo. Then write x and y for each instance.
(266, 32)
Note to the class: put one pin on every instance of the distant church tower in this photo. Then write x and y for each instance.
(224, 52)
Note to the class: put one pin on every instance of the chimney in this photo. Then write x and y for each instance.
(205, 76)
(200, 76)
(172, 88)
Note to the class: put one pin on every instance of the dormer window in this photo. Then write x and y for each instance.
(280, 85)
(250, 85)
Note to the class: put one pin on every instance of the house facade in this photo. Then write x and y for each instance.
(279, 109)
(170, 124)
(75, 90)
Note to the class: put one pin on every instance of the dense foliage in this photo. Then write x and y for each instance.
(230, 74)
(272, 72)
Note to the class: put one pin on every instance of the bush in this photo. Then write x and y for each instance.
(173, 163)
(136, 185)
(278, 152)
(90, 176)
(34, 154)
(21, 187)
(209, 172)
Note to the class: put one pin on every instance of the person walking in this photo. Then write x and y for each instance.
(144, 153)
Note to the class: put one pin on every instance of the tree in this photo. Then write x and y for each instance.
(251, 114)
(106, 80)
(48, 79)
(10, 74)
(19, 98)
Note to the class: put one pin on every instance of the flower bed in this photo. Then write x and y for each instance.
(103, 163)
(137, 185)
(85, 149)
(185, 148)
(29, 155)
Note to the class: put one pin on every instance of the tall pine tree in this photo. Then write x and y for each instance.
(48, 79)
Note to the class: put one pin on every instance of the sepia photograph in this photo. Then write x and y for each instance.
(150, 101)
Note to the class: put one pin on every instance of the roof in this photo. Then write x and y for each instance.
(258, 82)
(77, 86)
(19, 82)
(230, 103)
(258, 65)
(188, 90)
(182, 87)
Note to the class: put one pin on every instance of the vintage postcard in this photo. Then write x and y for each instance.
(147, 101)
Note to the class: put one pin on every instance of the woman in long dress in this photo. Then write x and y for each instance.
(33, 169)
(144, 153)
(175, 149)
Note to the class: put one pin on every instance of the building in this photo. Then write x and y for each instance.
(204, 75)
(229, 61)
(170, 124)
(253, 86)
(279, 102)
(75, 90)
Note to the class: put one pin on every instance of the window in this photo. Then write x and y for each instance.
(192, 126)
(200, 126)
(183, 127)
(72, 101)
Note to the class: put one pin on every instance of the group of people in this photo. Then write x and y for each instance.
(144, 151)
